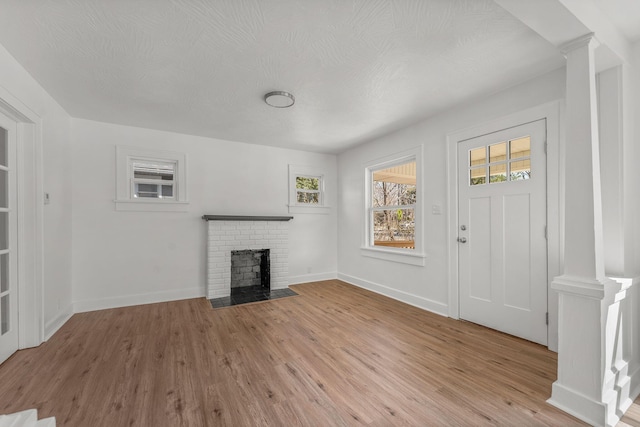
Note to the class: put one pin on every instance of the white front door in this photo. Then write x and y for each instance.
(8, 244)
(502, 246)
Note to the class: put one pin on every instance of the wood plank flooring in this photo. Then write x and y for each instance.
(335, 355)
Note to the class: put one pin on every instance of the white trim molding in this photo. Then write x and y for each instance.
(125, 201)
(31, 330)
(315, 277)
(405, 297)
(57, 322)
(414, 256)
(307, 208)
(137, 299)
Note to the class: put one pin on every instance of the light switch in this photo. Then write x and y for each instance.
(47, 199)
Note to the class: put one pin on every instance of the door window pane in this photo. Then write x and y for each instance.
(520, 170)
(520, 148)
(498, 173)
(4, 314)
(4, 224)
(478, 156)
(4, 189)
(3, 148)
(478, 176)
(498, 152)
(4, 273)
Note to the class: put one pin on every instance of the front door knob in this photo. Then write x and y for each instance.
(462, 239)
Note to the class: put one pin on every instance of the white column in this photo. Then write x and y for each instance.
(583, 202)
(583, 303)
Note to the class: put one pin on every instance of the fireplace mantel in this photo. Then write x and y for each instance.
(245, 218)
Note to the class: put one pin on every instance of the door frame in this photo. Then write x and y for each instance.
(551, 112)
(30, 211)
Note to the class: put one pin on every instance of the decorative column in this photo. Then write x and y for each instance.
(587, 299)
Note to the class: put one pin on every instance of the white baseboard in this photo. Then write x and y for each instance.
(138, 299)
(578, 405)
(56, 323)
(411, 299)
(634, 380)
(317, 277)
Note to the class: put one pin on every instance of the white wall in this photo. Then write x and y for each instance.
(423, 286)
(57, 180)
(123, 258)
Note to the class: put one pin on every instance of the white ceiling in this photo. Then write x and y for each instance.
(358, 68)
(624, 14)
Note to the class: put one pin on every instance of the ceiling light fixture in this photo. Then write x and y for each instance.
(279, 99)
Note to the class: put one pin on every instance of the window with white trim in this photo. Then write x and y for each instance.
(393, 205)
(394, 208)
(150, 180)
(153, 179)
(306, 190)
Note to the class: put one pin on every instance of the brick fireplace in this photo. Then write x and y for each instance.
(227, 233)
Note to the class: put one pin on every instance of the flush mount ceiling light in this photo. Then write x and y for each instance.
(279, 99)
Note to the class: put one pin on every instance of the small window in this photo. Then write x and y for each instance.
(393, 208)
(153, 180)
(150, 180)
(306, 190)
(512, 164)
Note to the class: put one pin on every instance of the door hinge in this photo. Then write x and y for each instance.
(546, 236)
(546, 317)
(545, 147)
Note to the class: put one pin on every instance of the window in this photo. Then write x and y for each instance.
(153, 179)
(150, 180)
(306, 190)
(393, 208)
(508, 161)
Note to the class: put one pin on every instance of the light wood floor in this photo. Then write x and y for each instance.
(334, 355)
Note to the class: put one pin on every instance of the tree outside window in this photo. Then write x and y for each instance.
(394, 206)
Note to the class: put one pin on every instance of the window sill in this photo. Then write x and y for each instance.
(151, 206)
(395, 255)
(299, 209)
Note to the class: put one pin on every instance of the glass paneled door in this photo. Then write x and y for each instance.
(8, 246)
(502, 221)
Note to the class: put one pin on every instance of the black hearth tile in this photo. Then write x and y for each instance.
(250, 294)
(221, 302)
(246, 299)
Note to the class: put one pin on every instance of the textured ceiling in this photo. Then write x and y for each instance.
(358, 68)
